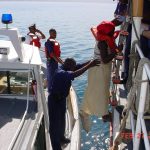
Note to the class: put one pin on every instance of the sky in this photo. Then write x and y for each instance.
(64, 0)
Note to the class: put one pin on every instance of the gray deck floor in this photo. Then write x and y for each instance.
(11, 112)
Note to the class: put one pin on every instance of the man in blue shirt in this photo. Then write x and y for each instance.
(61, 84)
(53, 52)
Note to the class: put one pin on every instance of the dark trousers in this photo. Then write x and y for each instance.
(57, 110)
(52, 65)
(145, 46)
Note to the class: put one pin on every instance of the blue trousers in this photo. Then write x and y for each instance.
(57, 110)
(51, 67)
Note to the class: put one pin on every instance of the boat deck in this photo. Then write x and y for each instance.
(11, 112)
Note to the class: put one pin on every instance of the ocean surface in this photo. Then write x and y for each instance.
(73, 21)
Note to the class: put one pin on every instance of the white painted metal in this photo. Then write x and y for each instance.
(146, 140)
(142, 56)
(132, 125)
(27, 106)
(14, 37)
(13, 56)
(140, 109)
(137, 22)
(43, 104)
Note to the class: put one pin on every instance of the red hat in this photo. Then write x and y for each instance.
(105, 27)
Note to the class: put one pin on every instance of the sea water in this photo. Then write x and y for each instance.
(73, 21)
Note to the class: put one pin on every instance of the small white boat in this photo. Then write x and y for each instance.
(24, 123)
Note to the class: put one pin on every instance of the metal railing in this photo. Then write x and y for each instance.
(23, 118)
(12, 144)
(140, 124)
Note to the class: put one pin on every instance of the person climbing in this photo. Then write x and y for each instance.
(96, 95)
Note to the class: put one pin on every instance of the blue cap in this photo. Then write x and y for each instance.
(6, 18)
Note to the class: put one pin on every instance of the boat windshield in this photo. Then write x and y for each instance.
(15, 82)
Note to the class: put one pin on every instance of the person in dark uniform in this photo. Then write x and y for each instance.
(52, 51)
(61, 84)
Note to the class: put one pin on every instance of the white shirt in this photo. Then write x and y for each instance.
(29, 38)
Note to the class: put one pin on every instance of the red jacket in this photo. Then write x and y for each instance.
(35, 40)
(101, 33)
(55, 48)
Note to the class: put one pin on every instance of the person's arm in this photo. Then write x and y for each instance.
(91, 63)
(106, 58)
(58, 59)
(42, 35)
(146, 33)
(78, 66)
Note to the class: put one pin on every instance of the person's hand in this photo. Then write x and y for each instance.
(128, 19)
(125, 33)
(37, 30)
(94, 62)
(120, 18)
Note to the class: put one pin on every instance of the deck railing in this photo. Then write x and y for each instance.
(140, 126)
(12, 144)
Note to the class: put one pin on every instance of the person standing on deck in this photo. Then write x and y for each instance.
(34, 36)
(60, 88)
(52, 51)
(96, 96)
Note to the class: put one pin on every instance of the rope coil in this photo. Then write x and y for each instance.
(131, 100)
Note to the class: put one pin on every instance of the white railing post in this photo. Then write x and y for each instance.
(146, 141)
(142, 100)
(145, 65)
(132, 125)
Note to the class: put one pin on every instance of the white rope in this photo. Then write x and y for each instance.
(133, 62)
(131, 98)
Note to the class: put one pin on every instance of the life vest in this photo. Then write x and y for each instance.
(56, 49)
(35, 40)
(101, 33)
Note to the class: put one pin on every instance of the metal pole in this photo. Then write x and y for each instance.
(142, 100)
(146, 141)
(132, 125)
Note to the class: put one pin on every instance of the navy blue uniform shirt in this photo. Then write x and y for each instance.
(62, 80)
(49, 45)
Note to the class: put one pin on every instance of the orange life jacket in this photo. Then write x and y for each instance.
(35, 40)
(56, 49)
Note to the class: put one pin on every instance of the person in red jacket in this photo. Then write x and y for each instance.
(52, 52)
(34, 36)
